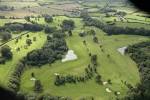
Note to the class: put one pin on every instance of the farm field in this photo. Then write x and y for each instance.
(37, 30)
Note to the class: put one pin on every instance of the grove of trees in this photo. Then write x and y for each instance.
(48, 19)
(68, 25)
(5, 36)
(6, 52)
(53, 49)
(140, 54)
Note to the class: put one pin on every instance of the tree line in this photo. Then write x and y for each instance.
(111, 29)
(89, 72)
(21, 27)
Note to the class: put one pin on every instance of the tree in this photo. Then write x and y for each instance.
(27, 18)
(2, 60)
(28, 35)
(108, 55)
(92, 32)
(95, 39)
(98, 79)
(70, 33)
(48, 18)
(34, 38)
(109, 81)
(82, 34)
(28, 42)
(6, 36)
(84, 42)
(68, 25)
(38, 86)
(94, 59)
(32, 74)
(6, 52)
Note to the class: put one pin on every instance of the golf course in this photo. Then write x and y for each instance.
(97, 66)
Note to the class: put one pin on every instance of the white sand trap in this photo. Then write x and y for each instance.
(108, 90)
(122, 50)
(69, 56)
(33, 79)
(118, 93)
(56, 74)
(104, 83)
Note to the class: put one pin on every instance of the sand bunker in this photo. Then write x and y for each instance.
(122, 50)
(33, 79)
(108, 90)
(104, 83)
(69, 56)
(56, 74)
(118, 93)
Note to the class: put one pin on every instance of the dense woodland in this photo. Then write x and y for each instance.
(141, 55)
(54, 48)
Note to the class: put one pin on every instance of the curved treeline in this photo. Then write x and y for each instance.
(113, 30)
(89, 72)
(140, 53)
